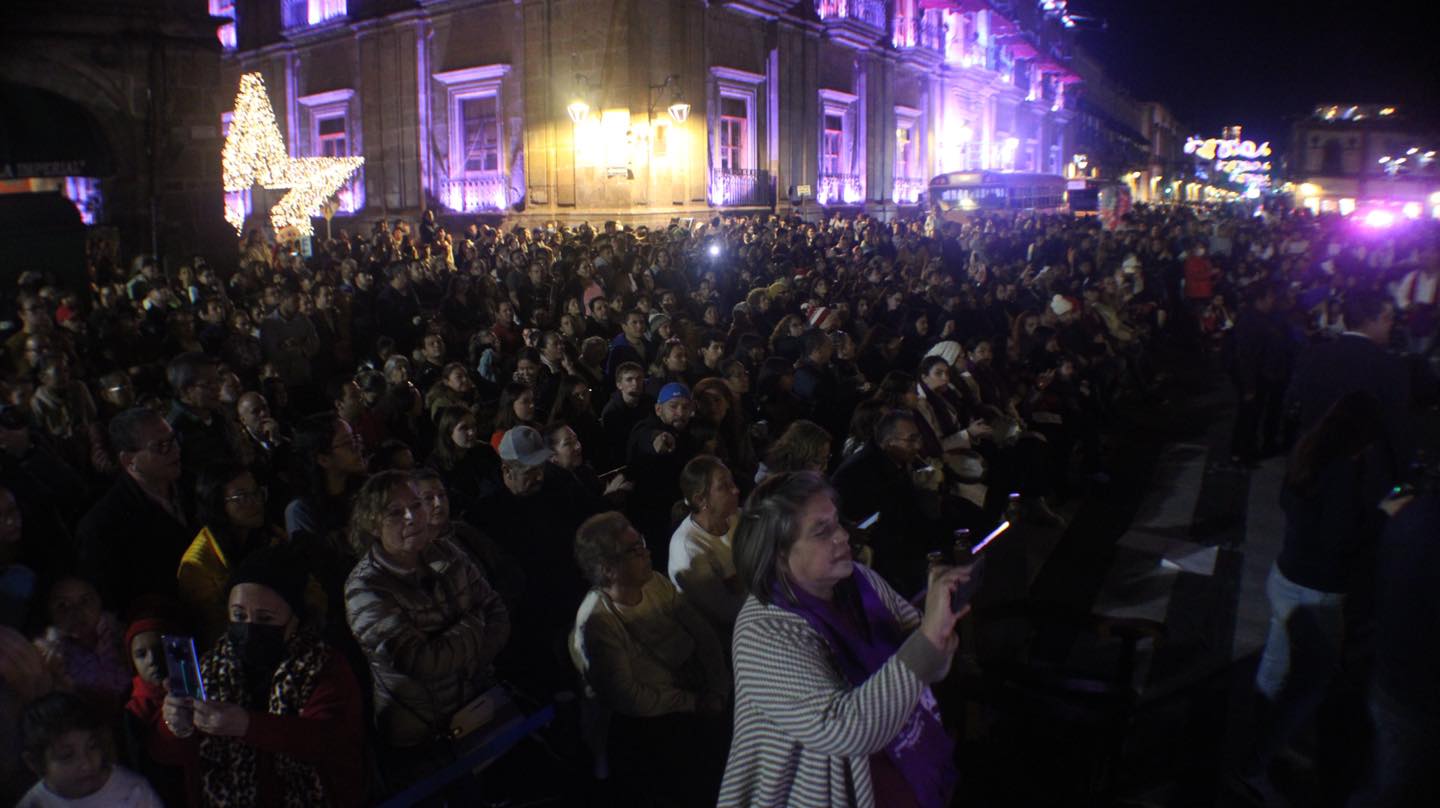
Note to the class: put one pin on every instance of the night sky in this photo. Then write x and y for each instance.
(1262, 64)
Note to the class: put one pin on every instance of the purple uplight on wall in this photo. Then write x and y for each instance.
(840, 189)
(474, 194)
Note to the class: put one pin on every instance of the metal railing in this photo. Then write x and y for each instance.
(869, 12)
(476, 193)
(302, 13)
(925, 31)
(744, 187)
(840, 189)
(908, 189)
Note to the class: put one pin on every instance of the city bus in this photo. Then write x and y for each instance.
(962, 192)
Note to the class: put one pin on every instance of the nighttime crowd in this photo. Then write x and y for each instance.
(417, 483)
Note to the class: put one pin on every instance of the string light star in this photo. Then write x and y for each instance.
(255, 154)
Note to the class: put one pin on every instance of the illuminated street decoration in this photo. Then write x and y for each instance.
(1242, 162)
(1225, 149)
(255, 154)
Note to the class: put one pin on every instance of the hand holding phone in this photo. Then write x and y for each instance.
(183, 664)
(971, 559)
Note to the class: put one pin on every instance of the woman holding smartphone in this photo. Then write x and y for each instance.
(280, 721)
(832, 667)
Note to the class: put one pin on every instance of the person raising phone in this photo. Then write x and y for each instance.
(282, 720)
(832, 667)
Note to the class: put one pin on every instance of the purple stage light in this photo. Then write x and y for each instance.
(1379, 219)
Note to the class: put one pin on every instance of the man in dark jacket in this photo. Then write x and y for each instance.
(534, 516)
(659, 448)
(627, 406)
(1358, 362)
(817, 385)
(203, 433)
(628, 345)
(881, 479)
(131, 542)
(1258, 370)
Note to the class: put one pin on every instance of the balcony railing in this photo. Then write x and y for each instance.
(869, 12)
(472, 194)
(302, 13)
(744, 187)
(840, 189)
(925, 31)
(908, 189)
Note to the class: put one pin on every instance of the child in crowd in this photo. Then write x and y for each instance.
(82, 644)
(143, 717)
(69, 748)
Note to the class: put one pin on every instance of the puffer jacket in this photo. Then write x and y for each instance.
(430, 636)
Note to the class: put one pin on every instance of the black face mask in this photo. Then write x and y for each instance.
(260, 646)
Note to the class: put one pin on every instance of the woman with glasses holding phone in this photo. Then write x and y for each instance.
(832, 667)
(653, 664)
(231, 509)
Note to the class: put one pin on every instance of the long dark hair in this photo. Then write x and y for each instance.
(1346, 430)
(210, 499)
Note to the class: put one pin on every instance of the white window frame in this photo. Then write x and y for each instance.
(466, 84)
(326, 106)
(907, 119)
(744, 86)
(737, 131)
(836, 103)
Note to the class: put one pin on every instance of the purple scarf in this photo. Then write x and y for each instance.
(863, 636)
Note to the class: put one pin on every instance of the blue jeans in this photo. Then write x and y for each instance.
(1302, 654)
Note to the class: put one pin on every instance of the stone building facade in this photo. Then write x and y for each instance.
(120, 112)
(644, 110)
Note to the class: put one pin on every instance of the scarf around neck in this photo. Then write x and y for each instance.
(229, 766)
(863, 635)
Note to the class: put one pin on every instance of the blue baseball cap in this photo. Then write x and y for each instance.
(672, 390)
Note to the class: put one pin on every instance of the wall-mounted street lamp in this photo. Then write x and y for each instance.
(678, 109)
(579, 109)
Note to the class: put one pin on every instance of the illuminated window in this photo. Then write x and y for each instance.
(300, 13)
(832, 144)
(480, 133)
(331, 129)
(226, 32)
(330, 140)
(737, 122)
(734, 122)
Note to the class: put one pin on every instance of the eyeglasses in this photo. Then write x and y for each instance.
(253, 495)
(639, 549)
(352, 442)
(162, 446)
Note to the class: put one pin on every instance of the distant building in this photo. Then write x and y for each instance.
(1349, 157)
(538, 110)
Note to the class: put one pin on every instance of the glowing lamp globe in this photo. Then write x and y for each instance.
(577, 110)
(679, 111)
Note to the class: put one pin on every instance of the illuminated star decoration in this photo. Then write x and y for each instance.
(255, 154)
